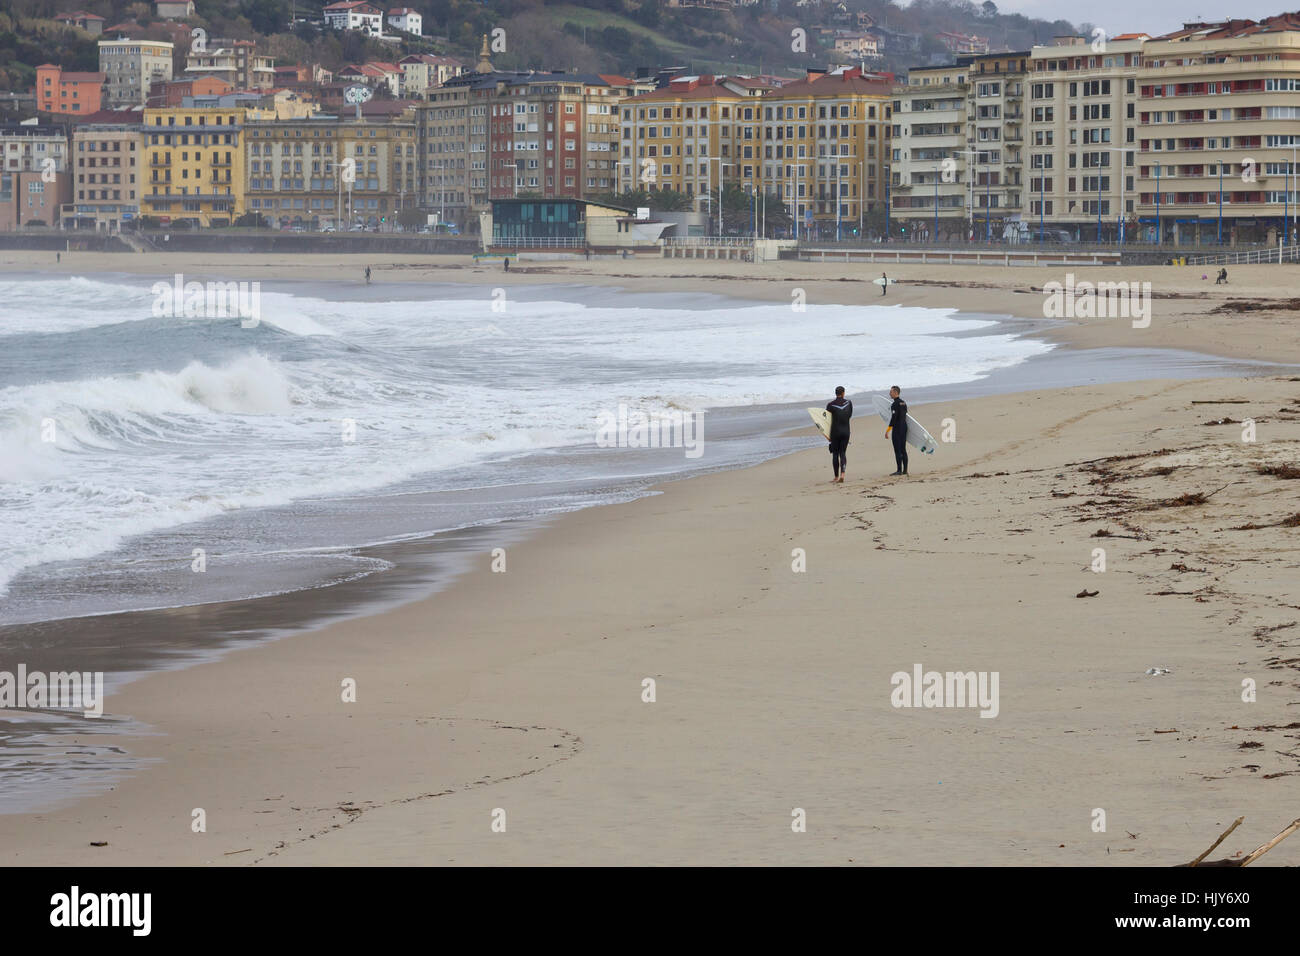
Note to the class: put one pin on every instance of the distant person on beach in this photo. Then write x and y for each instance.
(506, 262)
(841, 410)
(884, 283)
(898, 427)
(1223, 277)
(367, 275)
(58, 257)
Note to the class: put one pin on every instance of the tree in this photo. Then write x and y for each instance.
(989, 9)
(411, 217)
(254, 220)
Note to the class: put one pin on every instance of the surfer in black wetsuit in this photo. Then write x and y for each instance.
(841, 410)
(897, 430)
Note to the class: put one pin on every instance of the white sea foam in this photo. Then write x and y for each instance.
(174, 426)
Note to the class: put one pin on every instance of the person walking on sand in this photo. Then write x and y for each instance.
(884, 283)
(898, 427)
(506, 263)
(841, 410)
(1223, 277)
(367, 275)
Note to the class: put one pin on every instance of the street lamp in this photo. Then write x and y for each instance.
(1160, 233)
(970, 191)
(1121, 150)
(1221, 202)
(339, 208)
(721, 175)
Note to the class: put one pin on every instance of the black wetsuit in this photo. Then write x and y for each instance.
(898, 422)
(841, 410)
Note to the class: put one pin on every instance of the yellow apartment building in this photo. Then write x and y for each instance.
(193, 164)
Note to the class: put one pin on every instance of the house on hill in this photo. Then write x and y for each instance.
(174, 9)
(92, 24)
(355, 15)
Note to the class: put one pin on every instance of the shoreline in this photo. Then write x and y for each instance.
(441, 730)
(1265, 324)
(482, 727)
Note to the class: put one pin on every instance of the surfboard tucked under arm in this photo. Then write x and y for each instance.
(822, 419)
(916, 433)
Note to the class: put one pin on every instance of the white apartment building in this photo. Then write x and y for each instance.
(131, 67)
(1083, 126)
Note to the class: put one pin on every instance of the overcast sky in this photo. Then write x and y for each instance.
(1153, 16)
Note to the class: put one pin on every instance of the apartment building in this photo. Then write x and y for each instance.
(1082, 126)
(1218, 106)
(34, 175)
(235, 61)
(680, 137)
(820, 145)
(193, 165)
(846, 143)
(493, 135)
(931, 186)
(422, 72)
(69, 94)
(331, 169)
(451, 138)
(933, 164)
(131, 67)
(106, 171)
(555, 134)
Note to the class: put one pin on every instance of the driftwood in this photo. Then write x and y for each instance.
(1250, 857)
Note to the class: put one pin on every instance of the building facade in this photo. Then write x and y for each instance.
(819, 145)
(106, 171)
(193, 164)
(930, 180)
(69, 94)
(332, 169)
(131, 67)
(406, 20)
(235, 61)
(1218, 106)
(34, 175)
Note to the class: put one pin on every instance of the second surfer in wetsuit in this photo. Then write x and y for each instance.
(841, 410)
(897, 430)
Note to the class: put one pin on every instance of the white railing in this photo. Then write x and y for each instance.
(1253, 257)
(709, 241)
(542, 242)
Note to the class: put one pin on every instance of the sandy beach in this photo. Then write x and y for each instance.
(507, 720)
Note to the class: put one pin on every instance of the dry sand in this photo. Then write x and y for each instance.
(522, 691)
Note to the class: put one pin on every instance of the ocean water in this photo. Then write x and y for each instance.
(130, 439)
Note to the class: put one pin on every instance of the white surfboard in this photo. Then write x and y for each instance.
(917, 436)
(881, 281)
(822, 419)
